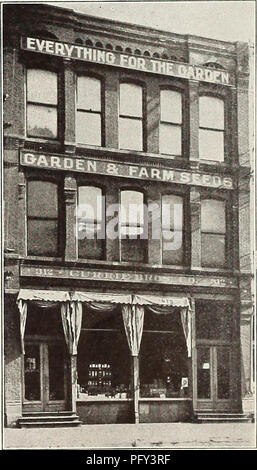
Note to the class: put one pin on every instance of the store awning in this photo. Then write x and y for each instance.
(106, 297)
(44, 295)
(160, 300)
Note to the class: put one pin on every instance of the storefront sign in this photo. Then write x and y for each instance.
(105, 167)
(126, 276)
(127, 61)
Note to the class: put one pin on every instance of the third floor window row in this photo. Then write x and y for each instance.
(132, 220)
(43, 116)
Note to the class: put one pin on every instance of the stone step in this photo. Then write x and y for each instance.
(48, 413)
(37, 424)
(207, 417)
(48, 418)
(54, 419)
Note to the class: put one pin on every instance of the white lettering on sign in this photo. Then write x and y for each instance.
(103, 167)
(126, 276)
(100, 56)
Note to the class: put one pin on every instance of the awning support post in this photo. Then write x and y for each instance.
(135, 387)
(73, 376)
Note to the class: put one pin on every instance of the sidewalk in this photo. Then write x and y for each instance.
(161, 435)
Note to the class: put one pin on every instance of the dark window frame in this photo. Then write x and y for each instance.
(61, 235)
(40, 65)
(181, 91)
(130, 81)
(81, 184)
(214, 197)
(185, 245)
(144, 241)
(90, 74)
(213, 93)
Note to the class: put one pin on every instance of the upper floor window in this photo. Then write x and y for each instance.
(42, 218)
(132, 243)
(88, 111)
(172, 229)
(131, 117)
(90, 223)
(171, 122)
(42, 102)
(213, 233)
(211, 128)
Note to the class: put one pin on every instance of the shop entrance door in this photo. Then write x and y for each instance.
(213, 378)
(44, 377)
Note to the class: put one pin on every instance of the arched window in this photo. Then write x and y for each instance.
(131, 117)
(213, 233)
(89, 111)
(172, 229)
(42, 218)
(171, 122)
(90, 223)
(211, 128)
(132, 226)
(42, 102)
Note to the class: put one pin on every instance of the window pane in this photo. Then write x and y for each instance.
(132, 250)
(213, 250)
(41, 86)
(91, 248)
(213, 320)
(163, 357)
(103, 359)
(223, 379)
(41, 121)
(213, 217)
(130, 134)
(211, 145)
(56, 372)
(203, 373)
(132, 209)
(170, 139)
(42, 199)
(89, 93)
(131, 100)
(171, 106)
(211, 112)
(32, 372)
(173, 255)
(88, 128)
(90, 203)
(172, 212)
(43, 237)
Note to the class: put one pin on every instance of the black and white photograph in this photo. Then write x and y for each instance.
(128, 227)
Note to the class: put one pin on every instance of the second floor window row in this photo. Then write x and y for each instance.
(131, 221)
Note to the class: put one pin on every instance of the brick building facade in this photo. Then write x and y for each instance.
(114, 329)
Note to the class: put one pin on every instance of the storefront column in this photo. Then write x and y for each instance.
(154, 224)
(73, 375)
(135, 386)
(70, 195)
(22, 214)
(69, 106)
(195, 210)
(193, 366)
(111, 105)
(193, 93)
(112, 243)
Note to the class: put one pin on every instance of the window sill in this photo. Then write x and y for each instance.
(41, 258)
(88, 399)
(130, 264)
(213, 270)
(166, 399)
